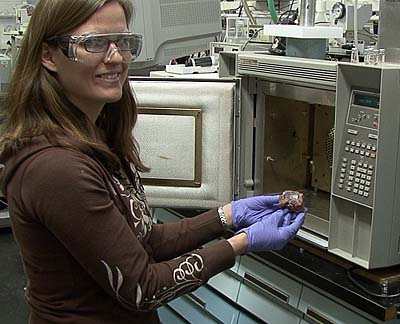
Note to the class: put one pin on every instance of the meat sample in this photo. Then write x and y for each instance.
(292, 200)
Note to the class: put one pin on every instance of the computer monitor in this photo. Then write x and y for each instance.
(174, 28)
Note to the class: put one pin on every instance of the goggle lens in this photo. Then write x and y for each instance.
(128, 45)
(99, 44)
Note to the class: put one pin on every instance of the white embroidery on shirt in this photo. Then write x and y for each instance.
(186, 277)
(138, 205)
(118, 183)
(189, 268)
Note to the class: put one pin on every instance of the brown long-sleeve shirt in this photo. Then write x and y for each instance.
(90, 250)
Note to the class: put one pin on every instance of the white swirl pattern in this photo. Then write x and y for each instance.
(189, 269)
(186, 277)
(138, 205)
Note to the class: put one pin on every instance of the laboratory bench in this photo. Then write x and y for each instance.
(299, 284)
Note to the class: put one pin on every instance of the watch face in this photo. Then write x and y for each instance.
(338, 10)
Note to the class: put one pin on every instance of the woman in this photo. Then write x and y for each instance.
(70, 173)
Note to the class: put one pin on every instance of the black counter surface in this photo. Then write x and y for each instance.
(320, 269)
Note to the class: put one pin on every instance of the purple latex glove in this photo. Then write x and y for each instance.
(247, 211)
(271, 233)
(291, 216)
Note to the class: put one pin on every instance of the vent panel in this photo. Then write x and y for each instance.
(281, 71)
(177, 52)
(191, 13)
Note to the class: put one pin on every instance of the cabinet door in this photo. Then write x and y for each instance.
(318, 308)
(169, 316)
(186, 133)
(192, 309)
(227, 283)
(267, 293)
(217, 305)
(246, 319)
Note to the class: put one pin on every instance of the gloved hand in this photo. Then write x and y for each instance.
(247, 211)
(273, 232)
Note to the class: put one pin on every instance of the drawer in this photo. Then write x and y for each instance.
(266, 308)
(192, 309)
(227, 282)
(169, 316)
(246, 319)
(321, 309)
(268, 294)
(217, 305)
(270, 282)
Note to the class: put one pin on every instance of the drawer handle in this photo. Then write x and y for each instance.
(234, 275)
(197, 300)
(318, 317)
(266, 287)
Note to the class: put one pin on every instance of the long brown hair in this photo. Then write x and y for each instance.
(36, 104)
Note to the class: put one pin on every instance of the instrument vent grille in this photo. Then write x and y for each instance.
(288, 72)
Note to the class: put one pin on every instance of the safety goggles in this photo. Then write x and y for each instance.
(89, 48)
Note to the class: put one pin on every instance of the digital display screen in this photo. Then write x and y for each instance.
(366, 100)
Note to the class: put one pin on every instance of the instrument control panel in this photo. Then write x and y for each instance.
(355, 172)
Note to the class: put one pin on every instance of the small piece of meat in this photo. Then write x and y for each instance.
(292, 200)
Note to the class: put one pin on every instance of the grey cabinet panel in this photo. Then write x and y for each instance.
(169, 316)
(193, 310)
(317, 307)
(245, 319)
(266, 308)
(270, 282)
(226, 283)
(217, 306)
(268, 294)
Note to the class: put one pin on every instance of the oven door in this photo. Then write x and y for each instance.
(188, 134)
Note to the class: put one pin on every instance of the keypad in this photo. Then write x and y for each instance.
(367, 149)
(356, 171)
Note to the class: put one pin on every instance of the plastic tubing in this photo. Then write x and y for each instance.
(272, 11)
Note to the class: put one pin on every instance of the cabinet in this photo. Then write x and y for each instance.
(254, 292)
(227, 283)
(192, 309)
(321, 309)
(168, 315)
(246, 319)
(267, 293)
(217, 305)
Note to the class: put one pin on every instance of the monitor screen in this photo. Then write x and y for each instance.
(173, 29)
(366, 100)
